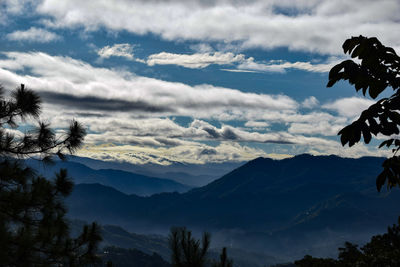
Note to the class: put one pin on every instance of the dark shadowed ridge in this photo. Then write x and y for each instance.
(275, 190)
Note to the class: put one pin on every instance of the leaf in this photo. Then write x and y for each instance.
(335, 70)
(388, 143)
(344, 135)
(367, 135)
(357, 51)
(375, 89)
(380, 180)
(349, 44)
(373, 126)
(395, 117)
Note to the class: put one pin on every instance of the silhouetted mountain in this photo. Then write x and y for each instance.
(189, 174)
(263, 202)
(126, 182)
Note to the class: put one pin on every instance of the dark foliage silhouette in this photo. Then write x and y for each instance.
(188, 251)
(121, 257)
(378, 69)
(224, 261)
(382, 250)
(33, 227)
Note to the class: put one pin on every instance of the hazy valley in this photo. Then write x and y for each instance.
(282, 209)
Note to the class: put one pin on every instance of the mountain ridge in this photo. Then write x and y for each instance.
(269, 198)
(126, 182)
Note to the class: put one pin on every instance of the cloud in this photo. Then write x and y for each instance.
(101, 104)
(199, 153)
(325, 128)
(241, 63)
(165, 132)
(349, 107)
(132, 111)
(256, 124)
(195, 153)
(117, 50)
(281, 66)
(310, 102)
(194, 61)
(236, 70)
(202, 48)
(312, 26)
(34, 34)
(64, 75)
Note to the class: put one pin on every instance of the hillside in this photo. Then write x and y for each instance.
(126, 182)
(194, 175)
(260, 203)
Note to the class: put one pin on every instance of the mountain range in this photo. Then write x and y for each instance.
(194, 175)
(124, 181)
(290, 207)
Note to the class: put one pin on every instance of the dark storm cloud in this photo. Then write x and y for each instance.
(229, 134)
(282, 142)
(208, 151)
(213, 132)
(98, 103)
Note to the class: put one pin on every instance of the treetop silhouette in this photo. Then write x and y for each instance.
(33, 227)
(42, 141)
(377, 70)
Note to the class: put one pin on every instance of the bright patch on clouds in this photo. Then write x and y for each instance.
(34, 35)
(194, 153)
(256, 24)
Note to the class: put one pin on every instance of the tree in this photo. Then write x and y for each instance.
(378, 69)
(309, 261)
(187, 252)
(382, 250)
(224, 261)
(350, 255)
(33, 227)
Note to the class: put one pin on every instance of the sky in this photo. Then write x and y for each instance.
(193, 81)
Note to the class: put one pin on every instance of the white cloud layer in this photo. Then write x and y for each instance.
(34, 34)
(242, 64)
(316, 26)
(195, 153)
(64, 75)
(122, 108)
(202, 60)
